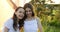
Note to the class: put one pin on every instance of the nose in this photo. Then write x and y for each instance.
(21, 14)
(28, 12)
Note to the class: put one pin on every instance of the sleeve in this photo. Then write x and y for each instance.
(7, 24)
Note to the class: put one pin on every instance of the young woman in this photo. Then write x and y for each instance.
(17, 22)
(31, 23)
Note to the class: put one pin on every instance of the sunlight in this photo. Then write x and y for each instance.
(52, 1)
(6, 10)
(22, 2)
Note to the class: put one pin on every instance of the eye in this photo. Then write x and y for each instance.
(28, 10)
(20, 11)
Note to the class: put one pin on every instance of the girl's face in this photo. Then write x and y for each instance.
(28, 12)
(20, 13)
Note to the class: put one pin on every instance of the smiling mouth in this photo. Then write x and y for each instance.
(20, 16)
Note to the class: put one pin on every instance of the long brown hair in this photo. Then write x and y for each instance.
(20, 22)
(28, 5)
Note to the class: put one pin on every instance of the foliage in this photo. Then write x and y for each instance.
(49, 15)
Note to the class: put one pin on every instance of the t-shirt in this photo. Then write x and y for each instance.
(30, 26)
(9, 25)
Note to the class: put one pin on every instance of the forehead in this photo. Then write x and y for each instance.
(28, 9)
(21, 9)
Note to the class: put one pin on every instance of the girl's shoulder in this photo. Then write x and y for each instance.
(8, 23)
(37, 18)
(9, 20)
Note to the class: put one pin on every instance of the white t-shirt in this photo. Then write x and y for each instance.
(9, 25)
(30, 26)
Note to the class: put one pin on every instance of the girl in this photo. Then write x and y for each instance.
(31, 23)
(16, 23)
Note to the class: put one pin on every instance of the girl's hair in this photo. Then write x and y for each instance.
(20, 22)
(28, 5)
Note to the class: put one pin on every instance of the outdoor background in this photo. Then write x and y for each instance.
(47, 10)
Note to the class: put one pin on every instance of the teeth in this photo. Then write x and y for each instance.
(20, 16)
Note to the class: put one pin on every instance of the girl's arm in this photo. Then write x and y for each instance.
(12, 4)
(39, 25)
(5, 29)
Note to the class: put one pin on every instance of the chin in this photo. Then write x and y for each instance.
(20, 18)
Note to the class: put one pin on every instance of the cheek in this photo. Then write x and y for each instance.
(30, 12)
(23, 15)
(16, 14)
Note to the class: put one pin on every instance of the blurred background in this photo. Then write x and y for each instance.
(47, 10)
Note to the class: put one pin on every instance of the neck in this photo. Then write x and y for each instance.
(29, 18)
